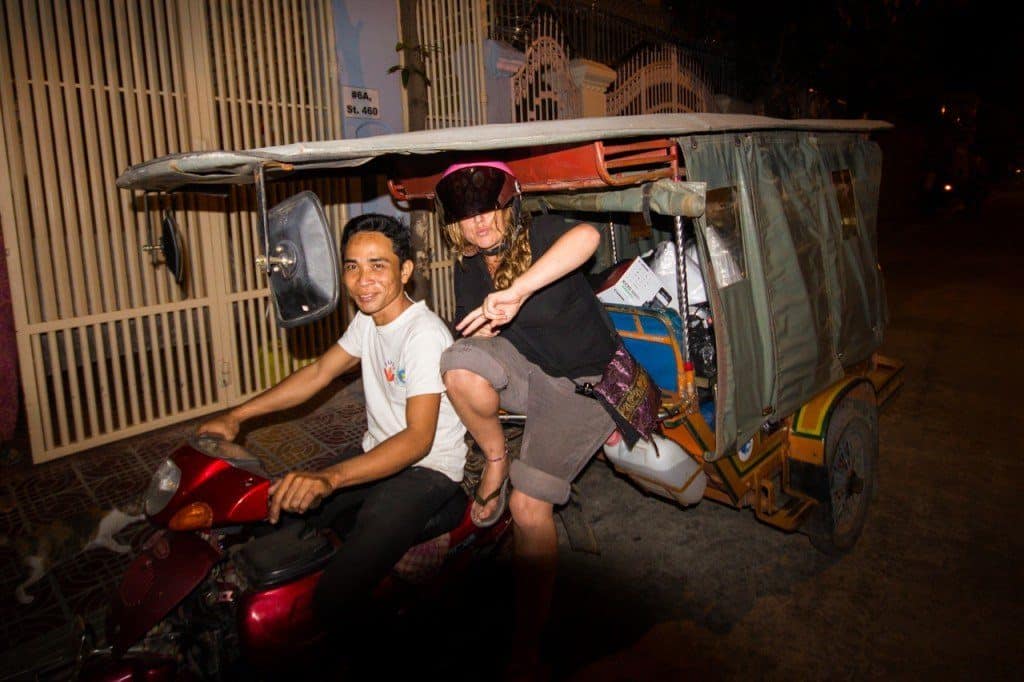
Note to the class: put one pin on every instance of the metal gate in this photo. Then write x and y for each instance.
(658, 80)
(109, 346)
(543, 89)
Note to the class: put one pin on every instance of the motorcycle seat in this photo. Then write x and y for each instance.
(292, 552)
(283, 555)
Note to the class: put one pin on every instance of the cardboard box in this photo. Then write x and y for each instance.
(634, 284)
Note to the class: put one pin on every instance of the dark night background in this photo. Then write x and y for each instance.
(946, 73)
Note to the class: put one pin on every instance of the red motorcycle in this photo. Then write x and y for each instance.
(210, 588)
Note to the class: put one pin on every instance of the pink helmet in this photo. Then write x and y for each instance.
(471, 189)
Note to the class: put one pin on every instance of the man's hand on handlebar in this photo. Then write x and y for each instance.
(297, 492)
(225, 426)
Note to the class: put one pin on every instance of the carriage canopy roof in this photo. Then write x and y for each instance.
(785, 212)
(190, 171)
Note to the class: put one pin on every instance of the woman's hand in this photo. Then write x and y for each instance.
(498, 309)
(486, 331)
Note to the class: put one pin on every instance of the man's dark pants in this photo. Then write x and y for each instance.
(391, 516)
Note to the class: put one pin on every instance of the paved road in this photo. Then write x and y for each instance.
(933, 586)
(931, 590)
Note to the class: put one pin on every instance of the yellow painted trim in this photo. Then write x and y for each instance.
(810, 419)
(807, 450)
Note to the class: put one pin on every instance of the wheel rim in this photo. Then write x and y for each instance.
(847, 478)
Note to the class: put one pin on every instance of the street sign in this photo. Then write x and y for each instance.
(360, 102)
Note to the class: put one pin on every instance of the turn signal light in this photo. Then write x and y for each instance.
(195, 516)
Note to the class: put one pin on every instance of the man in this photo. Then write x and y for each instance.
(413, 448)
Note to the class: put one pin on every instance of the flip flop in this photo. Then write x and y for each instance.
(502, 494)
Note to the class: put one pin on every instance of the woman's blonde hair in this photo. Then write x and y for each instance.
(515, 246)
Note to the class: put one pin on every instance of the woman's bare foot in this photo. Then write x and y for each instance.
(491, 497)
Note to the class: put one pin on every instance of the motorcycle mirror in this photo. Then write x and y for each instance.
(302, 262)
(170, 247)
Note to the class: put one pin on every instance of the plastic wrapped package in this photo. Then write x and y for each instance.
(663, 262)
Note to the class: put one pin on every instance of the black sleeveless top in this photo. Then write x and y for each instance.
(563, 327)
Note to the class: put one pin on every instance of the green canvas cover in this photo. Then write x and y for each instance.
(789, 242)
(666, 197)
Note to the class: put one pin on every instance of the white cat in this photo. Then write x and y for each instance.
(57, 541)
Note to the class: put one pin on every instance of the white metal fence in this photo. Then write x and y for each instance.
(658, 80)
(543, 89)
(453, 32)
(594, 30)
(108, 344)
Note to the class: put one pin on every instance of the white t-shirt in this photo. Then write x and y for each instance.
(400, 360)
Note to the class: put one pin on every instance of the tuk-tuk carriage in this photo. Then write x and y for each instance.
(770, 385)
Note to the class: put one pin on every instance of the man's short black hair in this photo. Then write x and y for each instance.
(392, 228)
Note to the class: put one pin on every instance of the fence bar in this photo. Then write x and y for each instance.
(92, 406)
(38, 161)
(74, 393)
(210, 391)
(47, 435)
(68, 267)
(138, 377)
(105, 393)
(94, 218)
(81, 228)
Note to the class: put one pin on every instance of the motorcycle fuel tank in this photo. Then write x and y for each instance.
(169, 567)
(232, 489)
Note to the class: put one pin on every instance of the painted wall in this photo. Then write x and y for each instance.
(366, 32)
(501, 62)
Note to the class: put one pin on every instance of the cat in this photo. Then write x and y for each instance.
(57, 541)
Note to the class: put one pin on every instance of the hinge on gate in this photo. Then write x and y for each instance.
(225, 373)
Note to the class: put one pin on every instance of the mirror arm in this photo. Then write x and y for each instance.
(151, 246)
(261, 210)
(285, 259)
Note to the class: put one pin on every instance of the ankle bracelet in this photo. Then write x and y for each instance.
(499, 458)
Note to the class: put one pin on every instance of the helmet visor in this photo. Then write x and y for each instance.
(473, 191)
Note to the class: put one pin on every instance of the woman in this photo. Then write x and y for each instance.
(533, 327)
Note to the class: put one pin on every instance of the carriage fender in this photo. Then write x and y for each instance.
(809, 426)
(806, 471)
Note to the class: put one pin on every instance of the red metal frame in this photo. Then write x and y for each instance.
(555, 168)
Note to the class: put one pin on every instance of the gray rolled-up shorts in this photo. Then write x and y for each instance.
(563, 429)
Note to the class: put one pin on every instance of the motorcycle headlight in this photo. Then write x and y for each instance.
(162, 487)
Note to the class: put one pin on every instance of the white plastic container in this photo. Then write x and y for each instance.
(666, 470)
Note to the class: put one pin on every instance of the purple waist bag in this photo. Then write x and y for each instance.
(629, 395)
